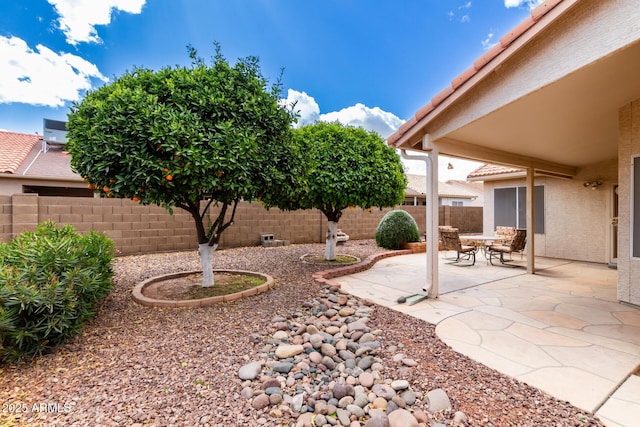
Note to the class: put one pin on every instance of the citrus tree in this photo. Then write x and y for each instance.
(347, 167)
(190, 137)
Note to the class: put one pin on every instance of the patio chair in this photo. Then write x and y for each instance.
(451, 242)
(504, 235)
(517, 245)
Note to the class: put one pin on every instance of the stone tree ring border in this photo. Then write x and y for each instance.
(141, 299)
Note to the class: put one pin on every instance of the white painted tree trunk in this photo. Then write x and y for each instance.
(206, 256)
(332, 239)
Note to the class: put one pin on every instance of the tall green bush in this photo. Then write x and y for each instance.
(50, 282)
(395, 228)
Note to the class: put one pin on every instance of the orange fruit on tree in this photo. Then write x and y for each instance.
(105, 189)
(169, 177)
(90, 187)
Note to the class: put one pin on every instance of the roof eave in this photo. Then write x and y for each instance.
(411, 133)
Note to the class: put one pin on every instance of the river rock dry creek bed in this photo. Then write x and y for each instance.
(300, 354)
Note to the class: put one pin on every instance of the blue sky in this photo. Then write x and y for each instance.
(371, 63)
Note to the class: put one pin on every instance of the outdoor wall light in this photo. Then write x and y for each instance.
(449, 166)
(592, 184)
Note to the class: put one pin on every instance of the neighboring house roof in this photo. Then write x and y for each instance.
(14, 149)
(479, 64)
(21, 155)
(476, 188)
(417, 184)
(489, 170)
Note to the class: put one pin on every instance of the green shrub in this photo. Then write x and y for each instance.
(50, 282)
(395, 228)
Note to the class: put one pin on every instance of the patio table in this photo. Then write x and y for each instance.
(481, 241)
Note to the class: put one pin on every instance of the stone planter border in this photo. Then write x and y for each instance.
(138, 296)
(355, 260)
(415, 247)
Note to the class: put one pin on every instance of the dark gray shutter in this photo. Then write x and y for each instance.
(636, 207)
(504, 207)
(538, 204)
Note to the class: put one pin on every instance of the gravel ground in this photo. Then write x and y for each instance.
(134, 365)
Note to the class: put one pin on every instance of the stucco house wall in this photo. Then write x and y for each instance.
(628, 147)
(577, 219)
(12, 184)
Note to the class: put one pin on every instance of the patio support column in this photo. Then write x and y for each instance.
(530, 221)
(432, 220)
(431, 226)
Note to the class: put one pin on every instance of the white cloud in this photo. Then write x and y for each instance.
(41, 76)
(78, 18)
(305, 105)
(466, 17)
(358, 115)
(518, 3)
(375, 118)
(487, 42)
(378, 120)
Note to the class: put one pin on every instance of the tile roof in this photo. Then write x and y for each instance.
(14, 149)
(505, 41)
(492, 170)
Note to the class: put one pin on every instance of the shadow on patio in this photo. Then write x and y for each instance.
(560, 330)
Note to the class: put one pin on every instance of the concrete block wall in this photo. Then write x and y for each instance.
(252, 220)
(24, 212)
(467, 219)
(6, 220)
(133, 228)
(137, 229)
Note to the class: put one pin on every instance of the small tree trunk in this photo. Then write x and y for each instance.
(206, 255)
(332, 239)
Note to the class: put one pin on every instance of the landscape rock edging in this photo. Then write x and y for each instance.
(140, 298)
(321, 366)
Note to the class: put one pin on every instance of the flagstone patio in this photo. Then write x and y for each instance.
(560, 330)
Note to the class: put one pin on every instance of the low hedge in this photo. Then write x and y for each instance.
(395, 228)
(50, 282)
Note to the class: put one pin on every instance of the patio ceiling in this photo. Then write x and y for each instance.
(573, 121)
(543, 101)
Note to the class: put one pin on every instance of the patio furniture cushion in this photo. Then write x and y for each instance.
(451, 242)
(500, 248)
(504, 235)
(517, 245)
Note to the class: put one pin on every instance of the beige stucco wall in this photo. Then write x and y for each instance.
(12, 184)
(577, 219)
(629, 146)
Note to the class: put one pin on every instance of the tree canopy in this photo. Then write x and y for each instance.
(347, 167)
(188, 137)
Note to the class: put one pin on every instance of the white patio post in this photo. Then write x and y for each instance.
(432, 219)
(431, 225)
(531, 265)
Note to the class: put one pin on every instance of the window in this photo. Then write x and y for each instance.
(456, 203)
(510, 207)
(635, 215)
